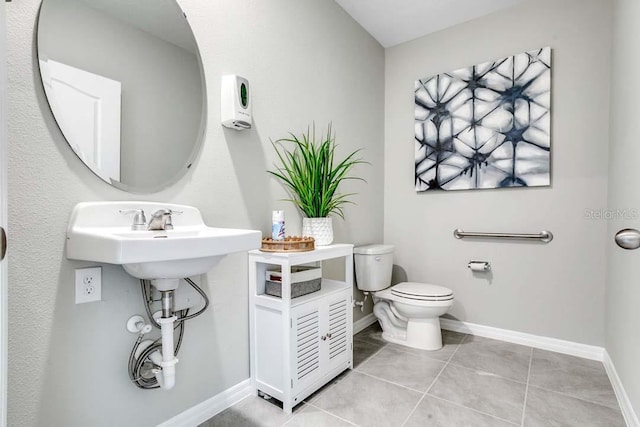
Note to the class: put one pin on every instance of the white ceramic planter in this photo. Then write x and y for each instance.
(321, 229)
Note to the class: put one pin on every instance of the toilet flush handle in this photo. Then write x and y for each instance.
(378, 258)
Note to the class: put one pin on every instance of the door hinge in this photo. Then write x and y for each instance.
(291, 382)
(291, 323)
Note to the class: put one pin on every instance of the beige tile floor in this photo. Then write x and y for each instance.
(472, 381)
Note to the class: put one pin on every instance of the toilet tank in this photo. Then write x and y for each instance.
(373, 266)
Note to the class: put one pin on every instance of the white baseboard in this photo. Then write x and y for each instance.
(361, 324)
(552, 344)
(625, 404)
(203, 411)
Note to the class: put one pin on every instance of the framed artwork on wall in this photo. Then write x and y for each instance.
(485, 126)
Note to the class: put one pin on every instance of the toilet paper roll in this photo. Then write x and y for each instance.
(479, 266)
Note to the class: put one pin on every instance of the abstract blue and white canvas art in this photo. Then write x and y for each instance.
(485, 126)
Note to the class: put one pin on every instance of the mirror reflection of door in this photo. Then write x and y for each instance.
(87, 109)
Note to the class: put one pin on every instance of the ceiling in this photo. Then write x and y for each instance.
(392, 22)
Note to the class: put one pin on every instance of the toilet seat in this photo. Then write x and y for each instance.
(421, 292)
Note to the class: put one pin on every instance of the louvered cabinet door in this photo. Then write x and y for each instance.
(338, 332)
(305, 337)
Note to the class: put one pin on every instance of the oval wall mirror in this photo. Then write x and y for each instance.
(125, 84)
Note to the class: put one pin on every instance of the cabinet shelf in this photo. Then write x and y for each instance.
(328, 287)
(321, 253)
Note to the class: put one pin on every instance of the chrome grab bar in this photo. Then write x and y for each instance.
(543, 236)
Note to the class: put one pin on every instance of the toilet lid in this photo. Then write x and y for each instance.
(422, 291)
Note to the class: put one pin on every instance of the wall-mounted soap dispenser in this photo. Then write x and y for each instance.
(235, 109)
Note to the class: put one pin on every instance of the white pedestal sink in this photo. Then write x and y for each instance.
(99, 232)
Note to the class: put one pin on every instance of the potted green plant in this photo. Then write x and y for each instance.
(311, 173)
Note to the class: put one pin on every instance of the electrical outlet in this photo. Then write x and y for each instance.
(88, 284)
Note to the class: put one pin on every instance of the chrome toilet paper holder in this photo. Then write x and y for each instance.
(479, 266)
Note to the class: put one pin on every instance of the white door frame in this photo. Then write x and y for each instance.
(3, 213)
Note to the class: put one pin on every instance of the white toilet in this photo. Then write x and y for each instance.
(409, 312)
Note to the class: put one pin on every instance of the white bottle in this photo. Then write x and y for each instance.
(277, 225)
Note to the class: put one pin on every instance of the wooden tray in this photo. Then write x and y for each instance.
(289, 244)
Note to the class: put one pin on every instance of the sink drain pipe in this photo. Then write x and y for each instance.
(152, 364)
(166, 376)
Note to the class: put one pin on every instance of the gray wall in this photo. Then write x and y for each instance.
(161, 85)
(67, 363)
(623, 293)
(555, 290)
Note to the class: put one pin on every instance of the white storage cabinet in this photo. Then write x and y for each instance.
(300, 344)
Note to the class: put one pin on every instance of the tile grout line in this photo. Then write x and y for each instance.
(470, 408)
(445, 365)
(486, 372)
(491, 373)
(458, 404)
(526, 389)
(421, 399)
(390, 382)
(292, 417)
(352, 370)
(577, 397)
(305, 401)
(373, 342)
(453, 353)
(371, 356)
(322, 410)
(370, 340)
(309, 403)
(414, 408)
(473, 409)
(382, 347)
(480, 370)
(464, 338)
(432, 383)
(334, 415)
(412, 353)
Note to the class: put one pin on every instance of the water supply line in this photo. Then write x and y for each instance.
(152, 364)
(361, 303)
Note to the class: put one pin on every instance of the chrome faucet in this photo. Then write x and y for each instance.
(161, 220)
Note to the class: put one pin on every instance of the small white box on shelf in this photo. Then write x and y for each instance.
(304, 280)
(299, 273)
